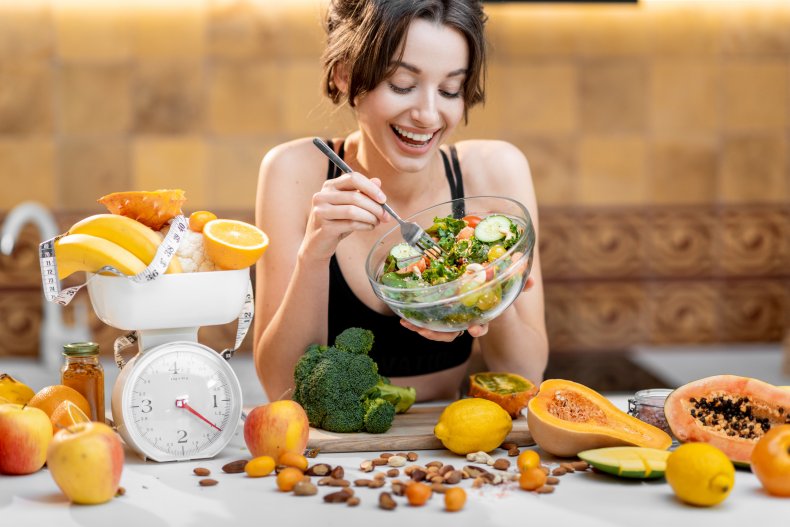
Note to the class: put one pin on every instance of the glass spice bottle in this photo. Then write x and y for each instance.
(83, 372)
(648, 406)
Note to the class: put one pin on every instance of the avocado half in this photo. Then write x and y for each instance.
(628, 461)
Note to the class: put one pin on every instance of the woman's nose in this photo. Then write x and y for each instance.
(425, 111)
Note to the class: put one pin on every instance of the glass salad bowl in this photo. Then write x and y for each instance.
(486, 262)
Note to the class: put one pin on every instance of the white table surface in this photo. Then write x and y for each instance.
(160, 495)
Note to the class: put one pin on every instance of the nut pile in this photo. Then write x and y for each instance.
(401, 475)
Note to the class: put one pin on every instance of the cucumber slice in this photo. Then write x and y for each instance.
(492, 228)
(405, 255)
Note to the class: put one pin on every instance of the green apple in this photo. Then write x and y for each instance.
(86, 461)
(25, 434)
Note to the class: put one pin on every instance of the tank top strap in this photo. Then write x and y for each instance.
(332, 170)
(452, 171)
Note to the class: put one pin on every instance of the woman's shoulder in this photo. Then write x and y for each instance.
(492, 161)
(297, 164)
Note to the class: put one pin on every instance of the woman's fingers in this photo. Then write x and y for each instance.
(479, 330)
(356, 181)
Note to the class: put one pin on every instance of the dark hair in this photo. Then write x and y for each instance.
(366, 35)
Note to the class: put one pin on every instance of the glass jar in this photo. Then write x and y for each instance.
(648, 406)
(83, 372)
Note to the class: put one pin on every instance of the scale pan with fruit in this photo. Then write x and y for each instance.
(176, 399)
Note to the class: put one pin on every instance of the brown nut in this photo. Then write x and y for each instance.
(320, 469)
(386, 455)
(545, 489)
(412, 456)
(437, 479)
(393, 473)
(311, 452)
(581, 466)
(474, 471)
(208, 482)
(513, 452)
(353, 501)
(338, 472)
(418, 475)
(438, 488)
(501, 464)
(437, 464)
(479, 482)
(377, 483)
(379, 461)
(200, 471)
(507, 445)
(305, 488)
(568, 467)
(398, 488)
(362, 482)
(366, 466)
(559, 471)
(235, 467)
(337, 497)
(386, 501)
(551, 480)
(445, 469)
(453, 477)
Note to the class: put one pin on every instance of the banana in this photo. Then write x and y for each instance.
(83, 252)
(135, 237)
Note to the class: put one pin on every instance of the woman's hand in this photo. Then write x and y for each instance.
(349, 203)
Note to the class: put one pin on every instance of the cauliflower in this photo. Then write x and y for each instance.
(191, 252)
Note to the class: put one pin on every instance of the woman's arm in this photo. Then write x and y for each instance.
(516, 341)
(305, 218)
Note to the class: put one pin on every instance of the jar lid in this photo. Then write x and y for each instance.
(652, 396)
(80, 349)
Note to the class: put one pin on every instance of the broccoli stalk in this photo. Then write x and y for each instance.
(340, 388)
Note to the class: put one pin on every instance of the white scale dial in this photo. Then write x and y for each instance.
(181, 401)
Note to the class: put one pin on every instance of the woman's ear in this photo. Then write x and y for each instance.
(340, 77)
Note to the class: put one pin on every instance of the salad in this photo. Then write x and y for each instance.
(476, 252)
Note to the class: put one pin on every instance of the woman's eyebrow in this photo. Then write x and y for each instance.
(414, 69)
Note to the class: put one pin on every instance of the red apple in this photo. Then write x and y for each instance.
(275, 428)
(23, 438)
(86, 460)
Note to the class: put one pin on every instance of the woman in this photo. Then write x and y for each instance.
(410, 71)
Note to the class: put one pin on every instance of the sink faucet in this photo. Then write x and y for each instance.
(54, 333)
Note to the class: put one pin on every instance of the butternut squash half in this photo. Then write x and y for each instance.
(566, 418)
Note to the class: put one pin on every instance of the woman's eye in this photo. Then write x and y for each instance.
(449, 94)
(398, 89)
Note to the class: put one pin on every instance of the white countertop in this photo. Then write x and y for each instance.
(168, 495)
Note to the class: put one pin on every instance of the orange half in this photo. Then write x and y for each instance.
(67, 414)
(233, 244)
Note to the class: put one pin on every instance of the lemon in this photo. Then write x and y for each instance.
(700, 474)
(472, 425)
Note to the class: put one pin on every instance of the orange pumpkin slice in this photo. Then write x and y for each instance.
(154, 208)
(510, 391)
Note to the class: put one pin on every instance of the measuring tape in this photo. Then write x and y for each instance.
(164, 253)
(49, 266)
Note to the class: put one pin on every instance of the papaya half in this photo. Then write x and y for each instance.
(510, 391)
(566, 418)
(730, 412)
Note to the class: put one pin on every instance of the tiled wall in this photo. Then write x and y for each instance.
(657, 135)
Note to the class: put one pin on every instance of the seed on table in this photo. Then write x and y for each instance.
(353, 501)
(501, 464)
(305, 488)
(513, 452)
(445, 469)
(393, 472)
(386, 501)
(338, 472)
(235, 467)
(412, 456)
(551, 480)
(320, 469)
(568, 467)
(418, 475)
(545, 489)
(386, 455)
(337, 497)
(200, 471)
(208, 482)
(559, 471)
(379, 461)
(508, 445)
(437, 464)
(581, 466)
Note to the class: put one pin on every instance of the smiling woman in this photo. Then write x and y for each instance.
(409, 72)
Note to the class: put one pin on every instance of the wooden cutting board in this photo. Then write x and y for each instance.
(410, 431)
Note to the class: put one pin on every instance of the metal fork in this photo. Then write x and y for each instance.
(412, 233)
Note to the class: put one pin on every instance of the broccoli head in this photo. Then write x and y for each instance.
(355, 340)
(340, 388)
(379, 414)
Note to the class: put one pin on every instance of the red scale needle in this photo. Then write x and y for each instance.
(182, 403)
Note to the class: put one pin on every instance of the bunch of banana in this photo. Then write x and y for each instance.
(108, 239)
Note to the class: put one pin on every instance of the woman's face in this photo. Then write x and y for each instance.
(408, 115)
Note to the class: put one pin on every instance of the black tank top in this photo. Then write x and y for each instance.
(397, 351)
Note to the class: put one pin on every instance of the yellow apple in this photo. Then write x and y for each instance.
(86, 461)
(23, 439)
(275, 428)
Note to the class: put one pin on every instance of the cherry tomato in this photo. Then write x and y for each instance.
(495, 252)
(472, 221)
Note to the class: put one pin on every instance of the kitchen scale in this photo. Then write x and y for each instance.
(176, 399)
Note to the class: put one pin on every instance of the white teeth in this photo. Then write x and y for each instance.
(414, 137)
